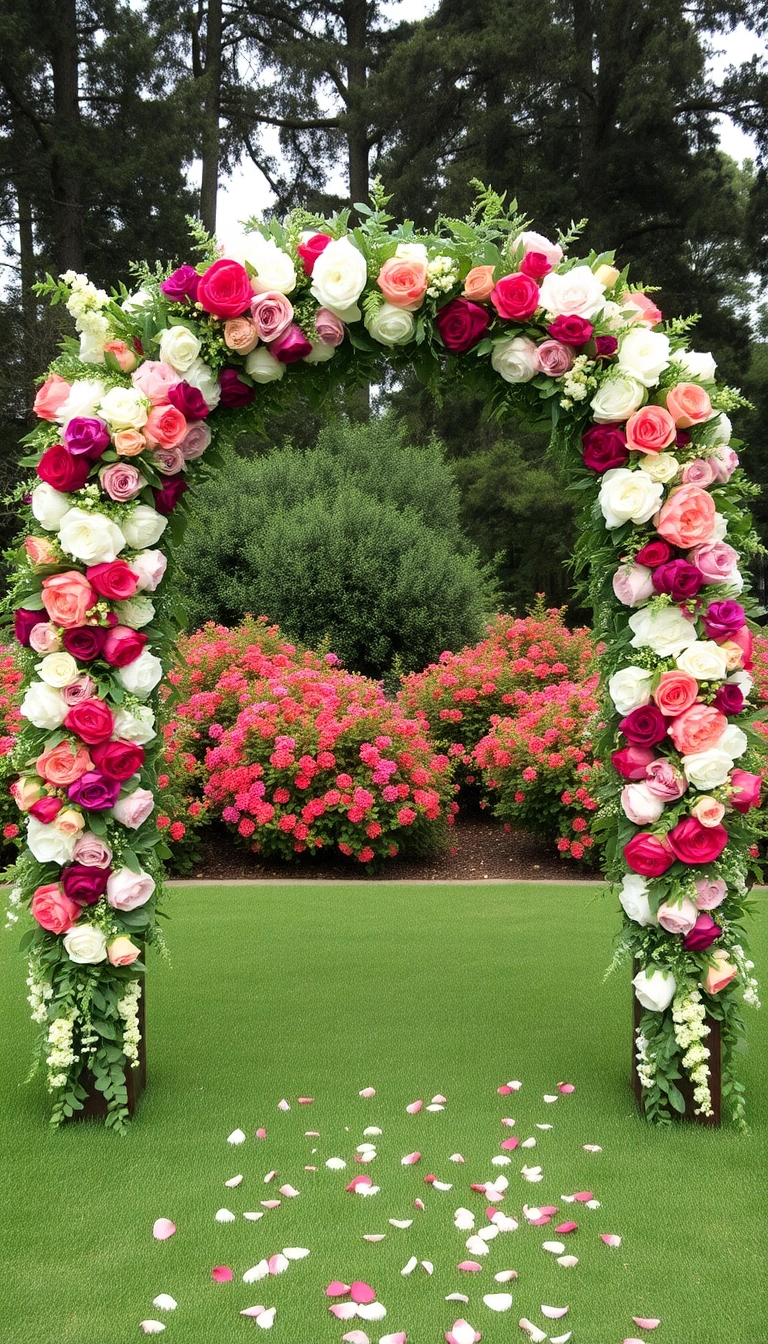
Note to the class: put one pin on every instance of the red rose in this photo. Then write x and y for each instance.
(84, 884)
(605, 447)
(631, 762)
(648, 854)
(311, 249)
(225, 289)
(85, 642)
(60, 469)
(694, 843)
(644, 726)
(118, 759)
(113, 579)
(571, 330)
(515, 297)
(91, 720)
(654, 553)
(462, 324)
(123, 645)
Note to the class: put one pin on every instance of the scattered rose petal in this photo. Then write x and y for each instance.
(503, 1222)
(414, 1107)
(545, 1126)
(593, 1204)
(289, 1191)
(428, 1267)
(568, 1199)
(470, 1266)
(610, 1239)
(461, 1332)
(514, 1085)
(283, 1105)
(505, 1275)
(367, 1092)
(510, 1144)
(165, 1302)
(270, 1203)
(567, 1227)
(508, 1121)
(295, 1252)
(434, 1106)
(278, 1263)
(225, 1216)
(554, 1247)
(151, 1327)
(501, 1160)
(162, 1229)
(253, 1217)
(504, 1090)
(266, 1319)
(368, 1189)
(362, 1292)
(252, 1311)
(439, 1100)
(565, 1088)
(592, 1148)
(366, 1148)
(410, 1159)
(336, 1163)
(312, 1134)
(476, 1245)
(221, 1274)
(633, 1341)
(355, 1337)
(498, 1301)
(532, 1173)
(554, 1313)
(568, 1261)
(533, 1331)
(457, 1297)
(528, 1143)
(583, 1196)
(372, 1129)
(237, 1136)
(358, 1183)
(647, 1322)
(310, 1168)
(464, 1219)
(399, 1337)
(374, 1236)
(270, 1176)
(233, 1181)
(548, 1209)
(261, 1132)
(488, 1233)
(410, 1266)
(337, 1289)
(550, 1098)
(343, 1311)
(258, 1272)
(372, 1311)
(402, 1223)
(420, 1205)
(305, 1101)
(442, 1185)
(560, 1339)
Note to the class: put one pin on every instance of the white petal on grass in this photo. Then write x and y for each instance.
(401, 1222)
(554, 1247)
(501, 1183)
(457, 1297)
(592, 1204)
(592, 1148)
(533, 1332)
(233, 1181)
(439, 1100)
(368, 1189)
(254, 1217)
(501, 1160)
(463, 1219)
(545, 1126)
(428, 1267)
(504, 1222)
(367, 1092)
(410, 1266)
(225, 1216)
(434, 1106)
(456, 1157)
(258, 1272)
(568, 1199)
(295, 1252)
(237, 1136)
(283, 1105)
(441, 1185)
(554, 1313)
(476, 1246)
(371, 1311)
(278, 1263)
(270, 1176)
(374, 1236)
(165, 1302)
(463, 1332)
(366, 1148)
(505, 1275)
(336, 1163)
(560, 1339)
(528, 1143)
(532, 1174)
(289, 1191)
(266, 1319)
(549, 1099)
(372, 1130)
(489, 1233)
(498, 1301)
(568, 1261)
(151, 1327)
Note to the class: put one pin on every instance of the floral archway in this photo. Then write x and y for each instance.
(128, 417)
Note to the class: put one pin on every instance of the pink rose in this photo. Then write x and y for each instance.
(515, 297)
(536, 242)
(645, 314)
(272, 314)
(554, 358)
(688, 404)
(149, 568)
(632, 762)
(51, 397)
(45, 638)
(633, 584)
(648, 854)
(665, 781)
(723, 462)
(127, 890)
(678, 918)
(698, 472)
(134, 809)
(676, 693)
(225, 290)
(745, 790)
(720, 974)
(196, 440)
(329, 327)
(687, 519)
(403, 283)
(121, 481)
(710, 892)
(122, 952)
(153, 379)
(698, 729)
(650, 430)
(165, 427)
(91, 851)
(708, 811)
(53, 910)
(170, 461)
(696, 844)
(124, 357)
(82, 688)
(717, 562)
(67, 597)
(123, 645)
(641, 805)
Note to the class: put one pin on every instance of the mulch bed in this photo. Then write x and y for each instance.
(483, 849)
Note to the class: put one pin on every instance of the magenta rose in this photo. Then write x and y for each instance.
(746, 790)
(59, 468)
(168, 495)
(83, 883)
(722, 620)
(648, 854)
(86, 436)
(606, 346)
(93, 792)
(291, 346)
(694, 843)
(123, 645)
(729, 699)
(225, 290)
(665, 781)
(24, 622)
(181, 285)
(113, 579)
(644, 726)
(310, 250)
(536, 264)
(91, 720)
(632, 762)
(654, 553)
(678, 578)
(121, 481)
(515, 297)
(553, 358)
(605, 447)
(571, 329)
(118, 759)
(45, 809)
(85, 642)
(189, 400)
(234, 392)
(462, 324)
(704, 933)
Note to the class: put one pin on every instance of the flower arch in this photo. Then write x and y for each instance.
(127, 417)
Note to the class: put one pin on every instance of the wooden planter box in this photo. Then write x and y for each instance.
(713, 1044)
(95, 1105)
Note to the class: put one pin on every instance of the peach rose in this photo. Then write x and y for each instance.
(165, 427)
(51, 397)
(124, 357)
(687, 518)
(26, 791)
(122, 952)
(676, 693)
(403, 283)
(698, 729)
(650, 430)
(67, 597)
(69, 822)
(734, 654)
(478, 284)
(648, 315)
(129, 443)
(719, 975)
(688, 404)
(708, 811)
(40, 551)
(241, 335)
(63, 764)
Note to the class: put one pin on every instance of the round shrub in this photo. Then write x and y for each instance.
(11, 819)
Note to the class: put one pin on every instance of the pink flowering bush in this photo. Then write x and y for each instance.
(10, 723)
(539, 769)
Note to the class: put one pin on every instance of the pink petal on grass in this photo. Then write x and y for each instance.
(221, 1274)
(278, 1263)
(414, 1107)
(362, 1292)
(261, 1133)
(343, 1311)
(162, 1229)
(549, 1209)
(355, 1337)
(504, 1090)
(410, 1160)
(510, 1144)
(399, 1337)
(270, 1176)
(252, 1311)
(337, 1289)
(461, 1332)
(439, 1100)
(305, 1101)
(610, 1239)
(283, 1105)
(567, 1227)
(541, 1222)
(633, 1340)
(565, 1088)
(584, 1196)
(374, 1236)
(367, 1092)
(646, 1322)
(289, 1191)
(356, 1182)
(470, 1266)
(554, 1313)
(420, 1205)
(270, 1203)
(508, 1121)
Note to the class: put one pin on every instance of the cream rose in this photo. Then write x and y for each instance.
(655, 991)
(262, 367)
(577, 292)
(90, 536)
(616, 399)
(644, 355)
(320, 353)
(630, 688)
(515, 360)
(733, 741)
(707, 769)
(179, 347)
(338, 279)
(85, 945)
(666, 632)
(273, 268)
(634, 900)
(44, 706)
(58, 669)
(696, 365)
(704, 660)
(411, 252)
(124, 408)
(49, 506)
(48, 845)
(135, 611)
(84, 397)
(628, 496)
(660, 467)
(390, 325)
(201, 375)
(142, 675)
(718, 431)
(135, 725)
(143, 526)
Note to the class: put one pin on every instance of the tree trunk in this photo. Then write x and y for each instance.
(27, 269)
(355, 14)
(584, 41)
(211, 115)
(66, 163)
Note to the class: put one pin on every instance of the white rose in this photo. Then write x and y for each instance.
(179, 347)
(58, 669)
(85, 945)
(655, 991)
(411, 252)
(515, 360)
(733, 741)
(135, 611)
(338, 279)
(576, 292)
(705, 660)
(644, 355)
(667, 632)
(135, 725)
(92, 347)
(274, 268)
(124, 408)
(90, 536)
(143, 527)
(531, 241)
(707, 770)
(616, 399)
(44, 706)
(612, 316)
(390, 325)
(630, 688)
(696, 365)
(717, 431)
(84, 397)
(660, 467)
(628, 495)
(262, 367)
(201, 375)
(142, 675)
(743, 680)
(320, 353)
(719, 529)
(141, 299)
(48, 845)
(49, 506)
(149, 567)
(634, 899)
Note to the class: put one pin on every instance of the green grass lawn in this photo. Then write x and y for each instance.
(298, 991)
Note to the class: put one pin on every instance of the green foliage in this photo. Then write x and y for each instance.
(358, 539)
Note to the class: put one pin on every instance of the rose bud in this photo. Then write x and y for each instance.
(632, 762)
(123, 645)
(45, 809)
(703, 934)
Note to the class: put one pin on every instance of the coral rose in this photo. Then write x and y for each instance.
(720, 974)
(68, 597)
(676, 693)
(688, 517)
(650, 430)
(479, 283)
(697, 729)
(63, 764)
(51, 397)
(165, 427)
(403, 283)
(688, 404)
(53, 910)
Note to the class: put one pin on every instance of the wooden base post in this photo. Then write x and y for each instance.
(713, 1044)
(95, 1105)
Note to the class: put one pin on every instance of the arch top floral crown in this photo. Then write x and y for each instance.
(125, 420)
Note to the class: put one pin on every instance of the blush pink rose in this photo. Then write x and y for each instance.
(91, 851)
(633, 584)
(698, 729)
(170, 461)
(708, 811)
(665, 781)
(687, 519)
(272, 314)
(165, 427)
(554, 358)
(329, 327)
(723, 462)
(641, 805)
(25, 792)
(403, 283)
(53, 910)
(688, 404)
(479, 283)
(717, 562)
(195, 441)
(650, 430)
(698, 472)
(124, 357)
(678, 918)
(82, 688)
(45, 638)
(127, 890)
(67, 597)
(676, 693)
(648, 315)
(51, 397)
(710, 892)
(153, 379)
(121, 481)
(134, 809)
(149, 568)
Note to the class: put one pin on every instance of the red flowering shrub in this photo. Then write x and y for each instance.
(539, 768)
(460, 695)
(11, 820)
